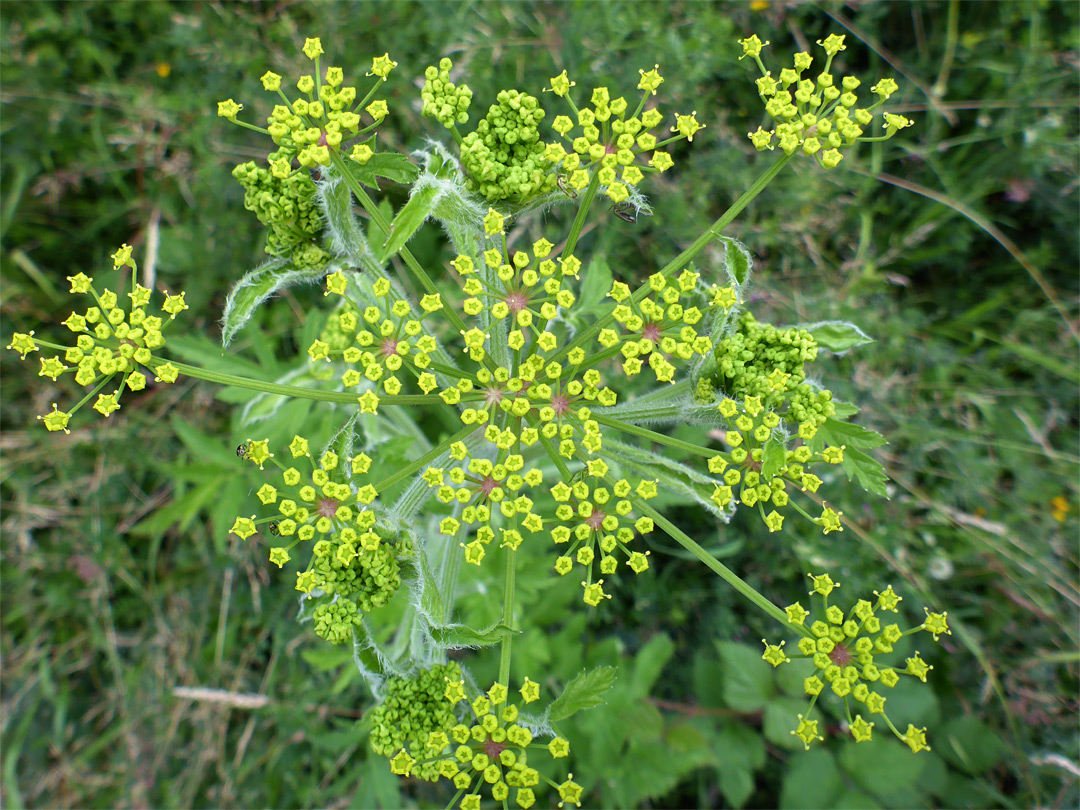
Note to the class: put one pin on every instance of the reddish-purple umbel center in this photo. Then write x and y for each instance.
(493, 749)
(560, 403)
(327, 507)
(840, 655)
(493, 395)
(487, 486)
(595, 521)
(388, 347)
(517, 302)
(651, 332)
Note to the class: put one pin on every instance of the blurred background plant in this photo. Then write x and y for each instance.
(148, 660)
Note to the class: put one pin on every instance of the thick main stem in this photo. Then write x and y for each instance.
(582, 213)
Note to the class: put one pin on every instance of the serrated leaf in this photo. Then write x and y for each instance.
(408, 220)
(867, 471)
(837, 337)
(458, 636)
(837, 433)
(391, 165)
(772, 458)
(583, 692)
(258, 285)
(858, 466)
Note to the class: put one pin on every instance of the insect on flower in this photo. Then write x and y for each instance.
(242, 450)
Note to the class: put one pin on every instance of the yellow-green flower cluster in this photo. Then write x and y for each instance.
(819, 116)
(596, 523)
(390, 339)
(446, 102)
(312, 127)
(526, 290)
(658, 328)
(491, 753)
(112, 344)
(845, 650)
(504, 157)
(607, 138)
(315, 508)
(762, 469)
(483, 488)
(411, 710)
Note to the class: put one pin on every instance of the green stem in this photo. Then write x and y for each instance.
(425, 459)
(714, 231)
(653, 436)
(508, 613)
(583, 211)
(725, 573)
(289, 390)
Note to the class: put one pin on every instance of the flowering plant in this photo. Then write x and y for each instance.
(532, 382)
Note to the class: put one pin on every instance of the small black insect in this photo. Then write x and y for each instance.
(241, 450)
(273, 529)
(625, 211)
(569, 192)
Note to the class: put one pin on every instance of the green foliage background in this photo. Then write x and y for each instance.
(953, 245)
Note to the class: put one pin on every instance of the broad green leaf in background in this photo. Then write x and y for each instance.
(748, 681)
(812, 781)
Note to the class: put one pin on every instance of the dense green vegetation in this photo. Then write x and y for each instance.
(953, 245)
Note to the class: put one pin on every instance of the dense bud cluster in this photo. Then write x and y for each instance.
(760, 360)
(504, 157)
(286, 206)
(489, 753)
(446, 102)
(412, 709)
(817, 116)
(111, 344)
(845, 650)
(350, 564)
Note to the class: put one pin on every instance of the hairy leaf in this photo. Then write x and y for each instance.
(458, 636)
(408, 220)
(256, 287)
(838, 337)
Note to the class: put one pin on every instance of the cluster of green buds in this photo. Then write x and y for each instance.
(446, 102)
(286, 206)
(310, 131)
(112, 344)
(350, 566)
(504, 157)
(412, 709)
(761, 360)
(608, 139)
(845, 650)
(491, 752)
(817, 116)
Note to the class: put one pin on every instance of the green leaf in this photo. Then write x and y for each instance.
(748, 681)
(671, 476)
(391, 165)
(458, 636)
(409, 219)
(772, 458)
(740, 744)
(969, 744)
(838, 433)
(736, 784)
(583, 692)
(883, 766)
(258, 285)
(812, 781)
(326, 658)
(595, 284)
(838, 337)
(858, 465)
(342, 446)
(649, 663)
(737, 260)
